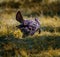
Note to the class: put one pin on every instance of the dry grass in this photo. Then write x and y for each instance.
(49, 53)
(48, 21)
(8, 25)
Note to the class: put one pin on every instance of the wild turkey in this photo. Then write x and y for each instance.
(28, 27)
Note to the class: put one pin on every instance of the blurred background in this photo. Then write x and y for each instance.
(34, 7)
(47, 11)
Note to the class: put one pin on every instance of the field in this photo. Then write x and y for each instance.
(45, 44)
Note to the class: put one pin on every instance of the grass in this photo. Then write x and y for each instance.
(49, 26)
(42, 46)
(45, 44)
(49, 53)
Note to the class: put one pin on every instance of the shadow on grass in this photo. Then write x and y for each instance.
(33, 45)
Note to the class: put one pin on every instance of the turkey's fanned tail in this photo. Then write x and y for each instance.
(19, 17)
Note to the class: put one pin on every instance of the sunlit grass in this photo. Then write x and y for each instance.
(48, 21)
(8, 25)
(8, 29)
(50, 53)
(45, 44)
(47, 34)
(18, 34)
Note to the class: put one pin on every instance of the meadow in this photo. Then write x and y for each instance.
(45, 44)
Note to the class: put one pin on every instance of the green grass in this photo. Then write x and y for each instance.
(45, 44)
(37, 46)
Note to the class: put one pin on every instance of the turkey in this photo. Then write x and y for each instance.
(28, 27)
